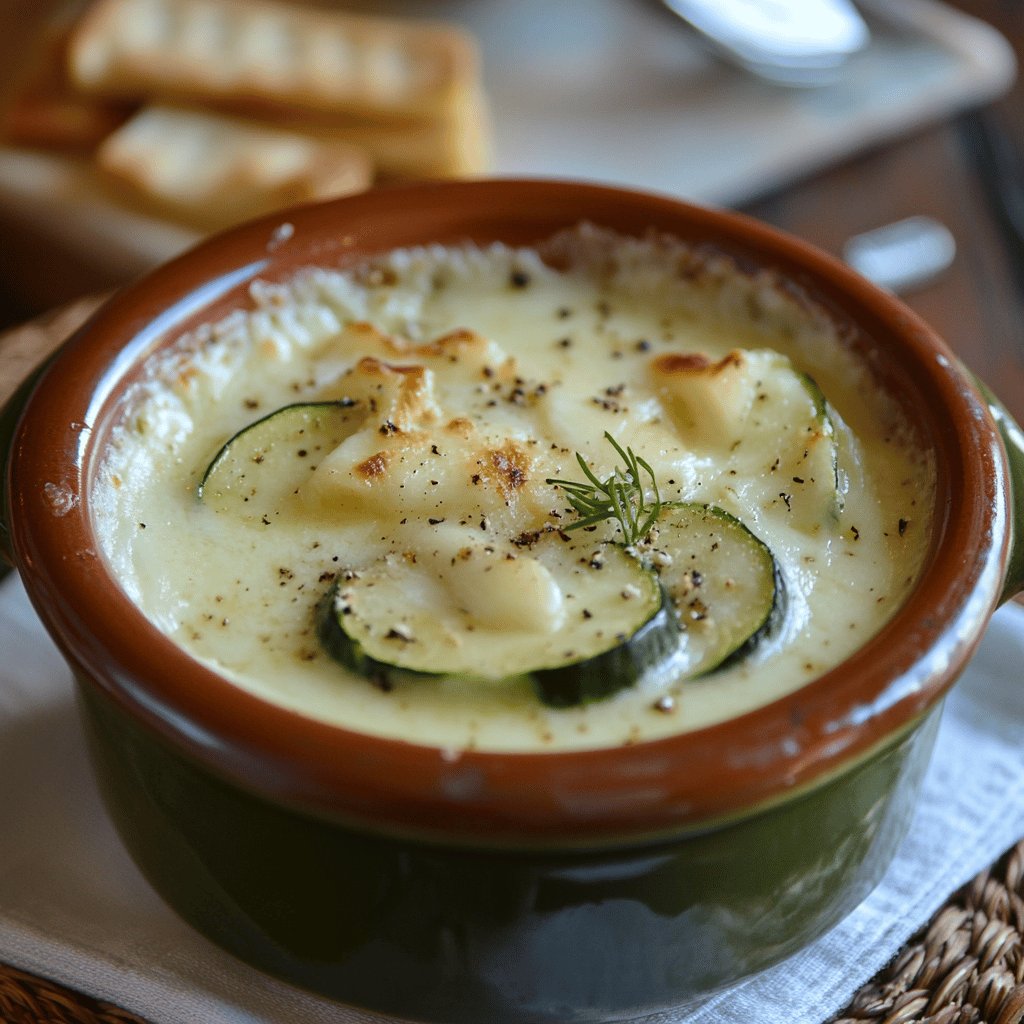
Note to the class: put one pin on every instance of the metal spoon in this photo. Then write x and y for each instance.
(791, 42)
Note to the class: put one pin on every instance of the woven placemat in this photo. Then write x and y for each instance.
(966, 966)
(26, 999)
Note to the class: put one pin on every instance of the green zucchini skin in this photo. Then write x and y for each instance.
(720, 597)
(767, 628)
(807, 463)
(600, 677)
(349, 652)
(826, 418)
(725, 584)
(579, 678)
(266, 461)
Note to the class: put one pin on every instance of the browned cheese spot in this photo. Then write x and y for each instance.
(694, 362)
(373, 467)
(367, 332)
(460, 426)
(410, 390)
(509, 465)
(453, 343)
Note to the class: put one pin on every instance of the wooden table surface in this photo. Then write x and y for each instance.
(967, 173)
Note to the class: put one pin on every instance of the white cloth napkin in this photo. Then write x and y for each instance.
(73, 908)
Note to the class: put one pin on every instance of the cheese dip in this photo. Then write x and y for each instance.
(361, 498)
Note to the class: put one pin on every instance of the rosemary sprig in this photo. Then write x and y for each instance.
(621, 497)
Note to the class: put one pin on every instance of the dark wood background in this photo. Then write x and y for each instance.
(968, 173)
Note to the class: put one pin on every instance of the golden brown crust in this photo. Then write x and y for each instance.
(213, 170)
(261, 52)
(694, 362)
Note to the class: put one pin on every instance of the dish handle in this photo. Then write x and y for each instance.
(24, 354)
(1013, 441)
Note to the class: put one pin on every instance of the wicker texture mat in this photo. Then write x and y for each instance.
(26, 999)
(966, 966)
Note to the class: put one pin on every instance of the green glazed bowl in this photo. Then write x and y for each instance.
(584, 886)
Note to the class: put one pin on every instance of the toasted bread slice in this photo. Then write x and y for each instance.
(231, 51)
(211, 170)
(456, 146)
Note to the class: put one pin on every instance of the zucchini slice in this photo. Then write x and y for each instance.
(723, 581)
(257, 471)
(823, 459)
(607, 621)
(803, 479)
(614, 669)
(727, 408)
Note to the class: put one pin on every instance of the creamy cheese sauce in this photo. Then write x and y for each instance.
(475, 375)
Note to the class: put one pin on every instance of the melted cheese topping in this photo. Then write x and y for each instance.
(474, 375)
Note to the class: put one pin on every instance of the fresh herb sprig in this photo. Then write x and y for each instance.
(621, 496)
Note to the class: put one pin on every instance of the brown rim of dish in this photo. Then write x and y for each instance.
(611, 794)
